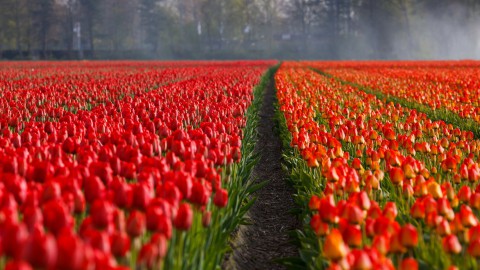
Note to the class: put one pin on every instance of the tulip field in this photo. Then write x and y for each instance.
(382, 185)
(124, 165)
(147, 165)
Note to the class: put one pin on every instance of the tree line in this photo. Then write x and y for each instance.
(222, 29)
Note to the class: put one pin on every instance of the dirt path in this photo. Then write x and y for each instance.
(267, 238)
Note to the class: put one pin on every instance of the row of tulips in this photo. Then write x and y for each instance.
(145, 166)
(448, 89)
(381, 185)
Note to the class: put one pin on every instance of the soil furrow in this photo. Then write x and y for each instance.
(256, 246)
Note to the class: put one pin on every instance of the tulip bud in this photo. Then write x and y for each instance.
(136, 224)
(474, 248)
(102, 213)
(314, 203)
(40, 250)
(352, 235)
(361, 260)
(56, 216)
(382, 244)
(141, 196)
(161, 244)
(184, 217)
(148, 256)
(14, 238)
(320, 228)
(408, 264)
(434, 189)
(396, 175)
(158, 221)
(390, 210)
(18, 265)
(451, 244)
(120, 243)
(334, 248)
(221, 198)
(464, 194)
(206, 218)
(71, 251)
(200, 194)
(408, 236)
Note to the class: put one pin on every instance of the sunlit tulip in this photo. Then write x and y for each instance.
(334, 248)
(451, 244)
(408, 264)
(408, 236)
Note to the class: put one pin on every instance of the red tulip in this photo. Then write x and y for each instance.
(184, 217)
(148, 256)
(71, 252)
(200, 194)
(361, 261)
(206, 218)
(14, 239)
(221, 198)
(18, 265)
(161, 244)
(320, 228)
(102, 213)
(396, 175)
(352, 235)
(451, 244)
(382, 244)
(408, 236)
(158, 221)
(136, 224)
(408, 264)
(120, 243)
(474, 248)
(40, 250)
(56, 216)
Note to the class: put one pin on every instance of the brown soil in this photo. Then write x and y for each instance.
(266, 239)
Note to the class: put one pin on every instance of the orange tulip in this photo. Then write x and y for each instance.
(334, 247)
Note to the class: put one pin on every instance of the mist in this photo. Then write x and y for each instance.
(240, 29)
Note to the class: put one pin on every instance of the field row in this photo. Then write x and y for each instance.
(136, 165)
(381, 185)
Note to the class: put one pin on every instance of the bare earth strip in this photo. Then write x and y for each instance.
(266, 239)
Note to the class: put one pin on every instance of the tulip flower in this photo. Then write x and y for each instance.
(451, 244)
(221, 198)
(408, 264)
(184, 217)
(136, 224)
(396, 175)
(319, 227)
(334, 248)
(40, 250)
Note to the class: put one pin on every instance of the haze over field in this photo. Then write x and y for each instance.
(221, 29)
